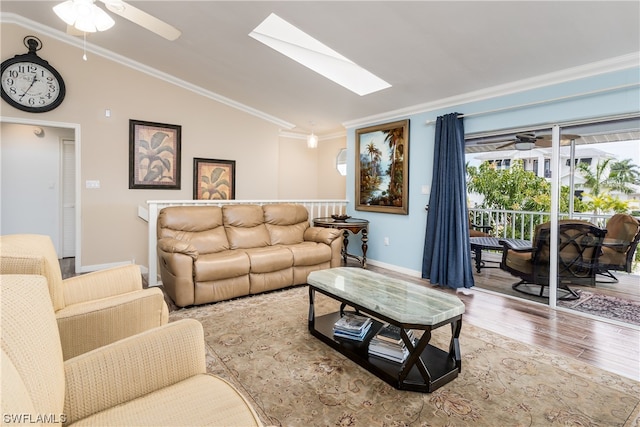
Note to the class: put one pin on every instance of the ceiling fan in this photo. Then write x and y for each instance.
(86, 16)
(529, 140)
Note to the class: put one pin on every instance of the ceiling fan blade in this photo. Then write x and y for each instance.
(545, 141)
(500, 147)
(142, 18)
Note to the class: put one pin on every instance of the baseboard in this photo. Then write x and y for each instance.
(397, 269)
(97, 267)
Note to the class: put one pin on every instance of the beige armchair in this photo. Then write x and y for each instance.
(154, 378)
(619, 247)
(92, 309)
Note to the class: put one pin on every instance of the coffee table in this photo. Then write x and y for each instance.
(403, 304)
(493, 244)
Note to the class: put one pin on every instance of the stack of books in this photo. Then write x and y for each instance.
(352, 326)
(388, 344)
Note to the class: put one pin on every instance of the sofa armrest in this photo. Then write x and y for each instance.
(102, 284)
(176, 246)
(321, 235)
(86, 326)
(133, 367)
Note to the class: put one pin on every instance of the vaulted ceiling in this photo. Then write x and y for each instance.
(431, 52)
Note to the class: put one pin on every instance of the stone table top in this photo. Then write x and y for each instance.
(396, 299)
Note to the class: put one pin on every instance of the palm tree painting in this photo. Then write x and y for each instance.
(382, 168)
(214, 179)
(154, 155)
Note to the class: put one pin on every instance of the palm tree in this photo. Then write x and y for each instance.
(374, 156)
(609, 175)
(394, 138)
(622, 174)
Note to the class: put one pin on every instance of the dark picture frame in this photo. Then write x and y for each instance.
(154, 155)
(382, 168)
(214, 179)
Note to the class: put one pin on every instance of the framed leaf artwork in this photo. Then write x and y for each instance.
(214, 179)
(154, 155)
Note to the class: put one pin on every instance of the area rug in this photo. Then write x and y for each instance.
(606, 306)
(261, 345)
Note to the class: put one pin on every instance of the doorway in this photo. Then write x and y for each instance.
(40, 182)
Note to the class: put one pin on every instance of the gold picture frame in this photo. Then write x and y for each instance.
(154, 155)
(214, 179)
(382, 168)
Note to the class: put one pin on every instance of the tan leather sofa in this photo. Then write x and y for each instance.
(155, 378)
(92, 309)
(210, 253)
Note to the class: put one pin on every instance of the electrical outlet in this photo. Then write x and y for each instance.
(386, 241)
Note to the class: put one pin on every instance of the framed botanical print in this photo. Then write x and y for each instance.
(382, 168)
(154, 155)
(214, 179)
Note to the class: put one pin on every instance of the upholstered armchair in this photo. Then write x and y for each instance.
(619, 247)
(155, 378)
(92, 309)
(579, 245)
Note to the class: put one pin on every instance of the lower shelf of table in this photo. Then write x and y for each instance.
(441, 366)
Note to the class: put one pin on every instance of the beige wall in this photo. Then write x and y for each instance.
(331, 185)
(111, 231)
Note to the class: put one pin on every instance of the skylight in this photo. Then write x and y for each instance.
(294, 43)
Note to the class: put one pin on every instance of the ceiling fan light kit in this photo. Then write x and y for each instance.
(84, 15)
(524, 145)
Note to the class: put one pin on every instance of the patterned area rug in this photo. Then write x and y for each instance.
(606, 306)
(262, 345)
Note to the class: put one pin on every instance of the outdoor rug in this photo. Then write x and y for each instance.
(606, 306)
(261, 344)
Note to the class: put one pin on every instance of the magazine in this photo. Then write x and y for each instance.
(352, 322)
(352, 326)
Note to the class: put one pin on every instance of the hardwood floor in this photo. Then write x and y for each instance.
(609, 346)
(605, 345)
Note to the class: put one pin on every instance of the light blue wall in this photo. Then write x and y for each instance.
(406, 232)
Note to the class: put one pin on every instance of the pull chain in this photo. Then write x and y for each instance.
(84, 55)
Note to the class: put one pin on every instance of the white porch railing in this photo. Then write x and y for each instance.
(316, 208)
(521, 224)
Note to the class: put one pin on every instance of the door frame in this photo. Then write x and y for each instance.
(78, 186)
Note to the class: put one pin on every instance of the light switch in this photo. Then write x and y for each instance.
(92, 184)
(425, 189)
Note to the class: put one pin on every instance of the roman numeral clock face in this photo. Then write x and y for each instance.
(31, 84)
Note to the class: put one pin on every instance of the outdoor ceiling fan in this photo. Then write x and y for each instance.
(528, 141)
(86, 16)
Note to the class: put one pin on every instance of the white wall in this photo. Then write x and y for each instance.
(31, 180)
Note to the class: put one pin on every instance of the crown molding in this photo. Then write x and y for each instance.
(299, 135)
(12, 18)
(569, 74)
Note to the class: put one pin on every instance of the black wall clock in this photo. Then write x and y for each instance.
(29, 83)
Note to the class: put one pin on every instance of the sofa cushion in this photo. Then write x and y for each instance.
(310, 253)
(286, 223)
(272, 258)
(244, 225)
(200, 226)
(221, 265)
